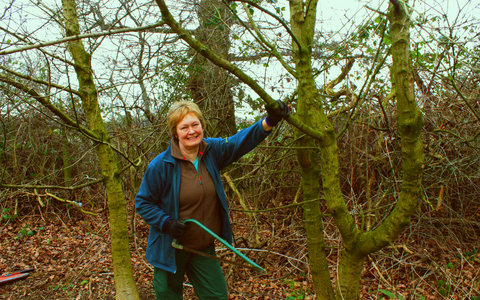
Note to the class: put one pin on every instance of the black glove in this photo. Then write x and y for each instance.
(272, 117)
(177, 229)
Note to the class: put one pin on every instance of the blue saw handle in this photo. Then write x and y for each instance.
(226, 244)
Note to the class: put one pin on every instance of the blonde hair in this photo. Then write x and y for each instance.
(178, 111)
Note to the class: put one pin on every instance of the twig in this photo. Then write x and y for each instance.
(268, 251)
(38, 198)
(280, 207)
(50, 187)
(379, 273)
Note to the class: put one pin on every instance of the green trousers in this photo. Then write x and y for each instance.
(205, 274)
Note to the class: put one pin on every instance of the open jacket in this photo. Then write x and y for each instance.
(158, 197)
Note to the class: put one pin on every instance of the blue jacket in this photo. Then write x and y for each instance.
(158, 197)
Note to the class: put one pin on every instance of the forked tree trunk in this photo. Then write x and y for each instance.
(410, 123)
(356, 245)
(124, 282)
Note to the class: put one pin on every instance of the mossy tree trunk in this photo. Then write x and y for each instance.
(410, 122)
(310, 112)
(124, 282)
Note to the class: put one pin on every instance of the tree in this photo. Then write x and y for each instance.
(359, 148)
(97, 133)
(311, 119)
(124, 283)
(210, 85)
(91, 110)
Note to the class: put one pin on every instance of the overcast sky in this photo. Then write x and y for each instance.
(342, 16)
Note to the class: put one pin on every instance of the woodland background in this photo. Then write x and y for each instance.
(53, 206)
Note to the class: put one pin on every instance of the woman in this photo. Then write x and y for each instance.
(184, 183)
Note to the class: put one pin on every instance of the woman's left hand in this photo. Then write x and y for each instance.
(273, 118)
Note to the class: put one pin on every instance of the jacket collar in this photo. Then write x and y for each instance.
(173, 151)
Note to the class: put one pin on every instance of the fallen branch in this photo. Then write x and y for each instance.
(280, 207)
(76, 204)
(240, 198)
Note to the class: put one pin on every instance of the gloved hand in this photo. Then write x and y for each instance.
(272, 117)
(176, 228)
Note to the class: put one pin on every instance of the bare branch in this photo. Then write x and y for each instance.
(82, 36)
(63, 88)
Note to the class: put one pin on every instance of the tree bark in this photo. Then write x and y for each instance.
(124, 282)
(348, 278)
(211, 86)
(410, 123)
(310, 113)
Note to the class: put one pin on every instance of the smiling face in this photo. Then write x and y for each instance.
(189, 132)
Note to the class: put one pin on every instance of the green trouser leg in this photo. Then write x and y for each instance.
(205, 274)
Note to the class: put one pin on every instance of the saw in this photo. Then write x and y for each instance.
(15, 276)
(251, 265)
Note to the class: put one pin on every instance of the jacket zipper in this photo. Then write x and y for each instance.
(203, 208)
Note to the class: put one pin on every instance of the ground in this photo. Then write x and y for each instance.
(71, 256)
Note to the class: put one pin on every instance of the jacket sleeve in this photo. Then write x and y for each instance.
(148, 202)
(233, 148)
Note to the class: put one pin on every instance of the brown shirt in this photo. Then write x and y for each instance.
(198, 200)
